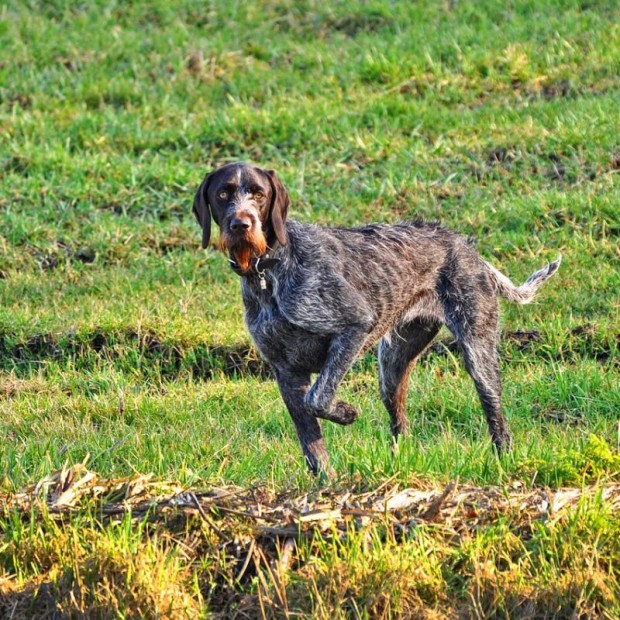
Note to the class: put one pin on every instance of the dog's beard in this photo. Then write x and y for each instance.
(243, 249)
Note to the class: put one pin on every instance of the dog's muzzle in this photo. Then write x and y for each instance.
(243, 222)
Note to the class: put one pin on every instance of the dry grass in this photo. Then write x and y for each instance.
(81, 545)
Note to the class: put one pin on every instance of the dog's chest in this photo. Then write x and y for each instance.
(281, 342)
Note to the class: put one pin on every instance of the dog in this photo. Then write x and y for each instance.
(316, 298)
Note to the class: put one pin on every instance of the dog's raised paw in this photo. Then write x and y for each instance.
(347, 413)
(343, 413)
(340, 413)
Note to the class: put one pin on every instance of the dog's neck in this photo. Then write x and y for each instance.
(259, 264)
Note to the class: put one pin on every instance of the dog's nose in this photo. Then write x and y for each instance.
(240, 224)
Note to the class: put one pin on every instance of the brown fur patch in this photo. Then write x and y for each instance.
(245, 248)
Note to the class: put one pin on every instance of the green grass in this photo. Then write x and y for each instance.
(117, 333)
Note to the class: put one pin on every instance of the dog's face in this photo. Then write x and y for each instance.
(249, 205)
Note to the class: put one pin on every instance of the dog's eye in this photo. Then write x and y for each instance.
(223, 195)
(258, 195)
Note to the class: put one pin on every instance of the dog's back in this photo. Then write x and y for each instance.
(399, 272)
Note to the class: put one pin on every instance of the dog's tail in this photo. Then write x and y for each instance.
(525, 293)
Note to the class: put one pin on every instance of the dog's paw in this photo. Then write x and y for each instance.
(502, 442)
(340, 413)
(346, 414)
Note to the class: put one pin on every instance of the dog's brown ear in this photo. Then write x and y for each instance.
(280, 202)
(202, 212)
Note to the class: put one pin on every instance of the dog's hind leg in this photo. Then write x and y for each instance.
(397, 355)
(482, 364)
(477, 340)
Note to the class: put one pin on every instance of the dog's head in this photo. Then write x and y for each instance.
(249, 205)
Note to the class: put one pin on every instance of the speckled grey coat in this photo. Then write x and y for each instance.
(332, 293)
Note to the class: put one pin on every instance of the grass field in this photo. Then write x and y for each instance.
(122, 343)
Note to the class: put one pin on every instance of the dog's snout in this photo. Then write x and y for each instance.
(240, 224)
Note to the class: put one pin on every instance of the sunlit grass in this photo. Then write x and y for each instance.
(122, 342)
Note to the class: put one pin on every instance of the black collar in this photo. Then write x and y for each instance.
(259, 265)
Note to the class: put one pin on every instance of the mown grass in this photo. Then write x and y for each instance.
(119, 339)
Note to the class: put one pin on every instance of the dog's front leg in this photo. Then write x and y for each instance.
(293, 387)
(343, 350)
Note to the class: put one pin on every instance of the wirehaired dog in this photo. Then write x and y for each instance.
(316, 298)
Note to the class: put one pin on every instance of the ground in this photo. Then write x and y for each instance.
(122, 344)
